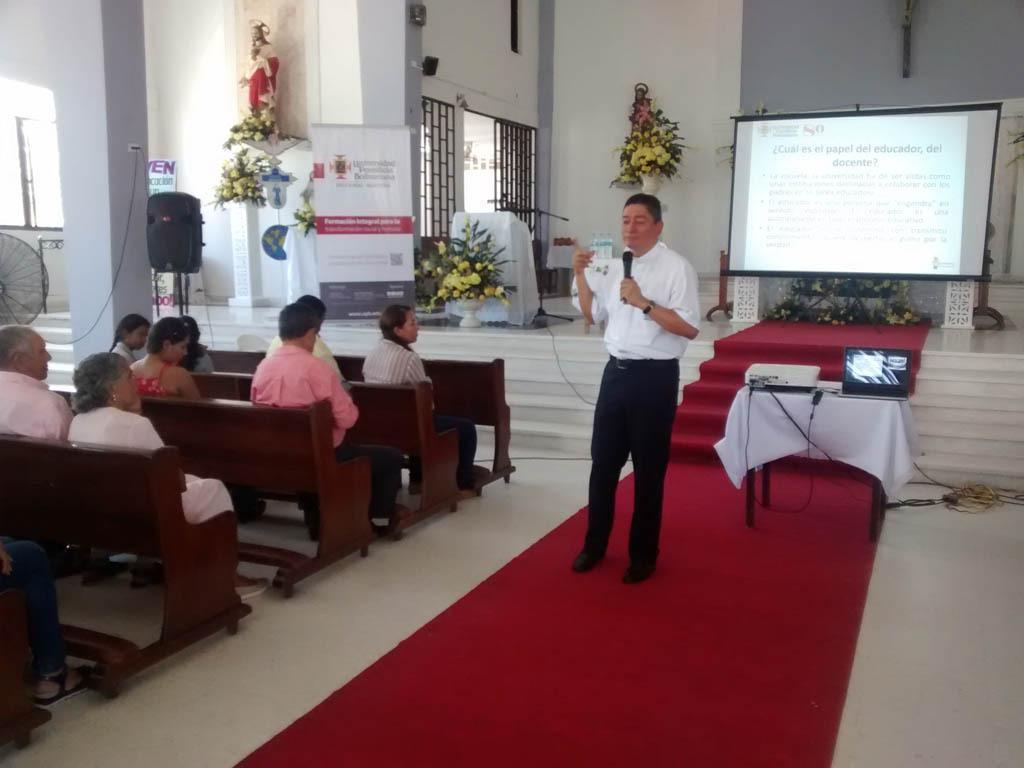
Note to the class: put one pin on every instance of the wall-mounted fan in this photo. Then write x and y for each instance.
(23, 281)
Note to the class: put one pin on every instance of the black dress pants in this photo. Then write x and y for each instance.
(635, 411)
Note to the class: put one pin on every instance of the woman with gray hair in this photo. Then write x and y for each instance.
(109, 412)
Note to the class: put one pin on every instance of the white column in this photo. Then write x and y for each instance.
(746, 299)
(99, 74)
(959, 305)
(246, 253)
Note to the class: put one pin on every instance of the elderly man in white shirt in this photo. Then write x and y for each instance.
(650, 318)
(27, 406)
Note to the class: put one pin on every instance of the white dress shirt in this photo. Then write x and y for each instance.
(665, 278)
(28, 408)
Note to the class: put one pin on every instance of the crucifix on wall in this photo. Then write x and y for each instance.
(908, 16)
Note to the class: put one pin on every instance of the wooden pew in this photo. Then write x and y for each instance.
(472, 390)
(223, 386)
(402, 417)
(281, 452)
(124, 500)
(17, 714)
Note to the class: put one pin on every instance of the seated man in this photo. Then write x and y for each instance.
(27, 406)
(293, 378)
(25, 567)
(320, 350)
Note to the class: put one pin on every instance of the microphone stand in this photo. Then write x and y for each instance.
(543, 317)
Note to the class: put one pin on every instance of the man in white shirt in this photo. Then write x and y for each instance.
(650, 317)
(27, 406)
(320, 350)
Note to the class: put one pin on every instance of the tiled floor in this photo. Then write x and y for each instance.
(937, 679)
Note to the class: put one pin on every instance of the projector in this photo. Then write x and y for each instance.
(787, 377)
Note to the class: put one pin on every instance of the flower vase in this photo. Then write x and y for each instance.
(650, 183)
(469, 308)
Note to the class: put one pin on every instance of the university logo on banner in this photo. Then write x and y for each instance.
(362, 183)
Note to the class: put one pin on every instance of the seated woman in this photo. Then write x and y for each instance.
(196, 360)
(130, 336)
(24, 566)
(393, 361)
(108, 412)
(158, 374)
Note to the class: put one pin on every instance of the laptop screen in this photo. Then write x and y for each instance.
(877, 372)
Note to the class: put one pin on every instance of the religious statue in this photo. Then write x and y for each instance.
(261, 76)
(641, 112)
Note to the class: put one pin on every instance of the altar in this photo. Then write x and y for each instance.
(510, 233)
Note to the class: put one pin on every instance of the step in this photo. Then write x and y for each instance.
(926, 386)
(974, 447)
(968, 361)
(970, 374)
(955, 469)
(954, 403)
(982, 425)
(552, 409)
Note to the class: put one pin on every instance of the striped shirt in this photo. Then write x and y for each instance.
(391, 363)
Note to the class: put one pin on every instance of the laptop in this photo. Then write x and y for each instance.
(875, 372)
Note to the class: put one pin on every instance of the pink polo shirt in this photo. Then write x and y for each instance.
(293, 378)
(28, 408)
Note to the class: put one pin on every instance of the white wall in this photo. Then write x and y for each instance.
(22, 58)
(689, 54)
(471, 39)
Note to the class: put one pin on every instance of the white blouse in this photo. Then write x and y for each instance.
(201, 499)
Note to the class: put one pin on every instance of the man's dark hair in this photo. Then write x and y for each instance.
(650, 202)
(169, 329)
(296, 320)
(315, 304)
(395, 316)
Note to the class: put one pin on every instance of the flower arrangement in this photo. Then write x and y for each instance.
(239, 180)
(305, 217)
(841, 301)
(468, 269)
(652, 148)
(253, 127)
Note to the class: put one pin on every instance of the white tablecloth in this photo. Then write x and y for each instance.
(302, 278)
(877, 436)
(513, 235)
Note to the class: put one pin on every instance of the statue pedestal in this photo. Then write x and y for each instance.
(245, 257)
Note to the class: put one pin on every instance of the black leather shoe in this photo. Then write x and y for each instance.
(585, 562)
(637, 572)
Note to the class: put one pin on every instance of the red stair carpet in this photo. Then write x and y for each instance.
(700, 421)
(735, 654)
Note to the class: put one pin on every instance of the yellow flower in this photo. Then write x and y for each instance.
(499, 291)
(474, 279)
(488, 291)
(464, 265)
(442, 248)
(479, 266)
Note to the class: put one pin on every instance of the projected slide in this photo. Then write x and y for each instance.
(870, 193)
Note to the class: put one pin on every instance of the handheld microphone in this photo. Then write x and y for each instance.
(627, 266)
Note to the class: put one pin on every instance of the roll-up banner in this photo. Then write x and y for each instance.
(362, 194)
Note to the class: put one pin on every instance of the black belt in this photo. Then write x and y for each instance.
(649, 362)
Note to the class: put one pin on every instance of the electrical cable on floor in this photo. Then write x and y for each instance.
(968, 498)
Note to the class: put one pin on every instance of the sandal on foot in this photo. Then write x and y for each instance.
(63, 692)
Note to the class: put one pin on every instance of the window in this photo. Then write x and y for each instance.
(437, 167)
(498, 166)
(29, 167)
(515, 26)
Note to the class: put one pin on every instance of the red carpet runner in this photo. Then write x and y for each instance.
(700, 422)
(736, 653)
